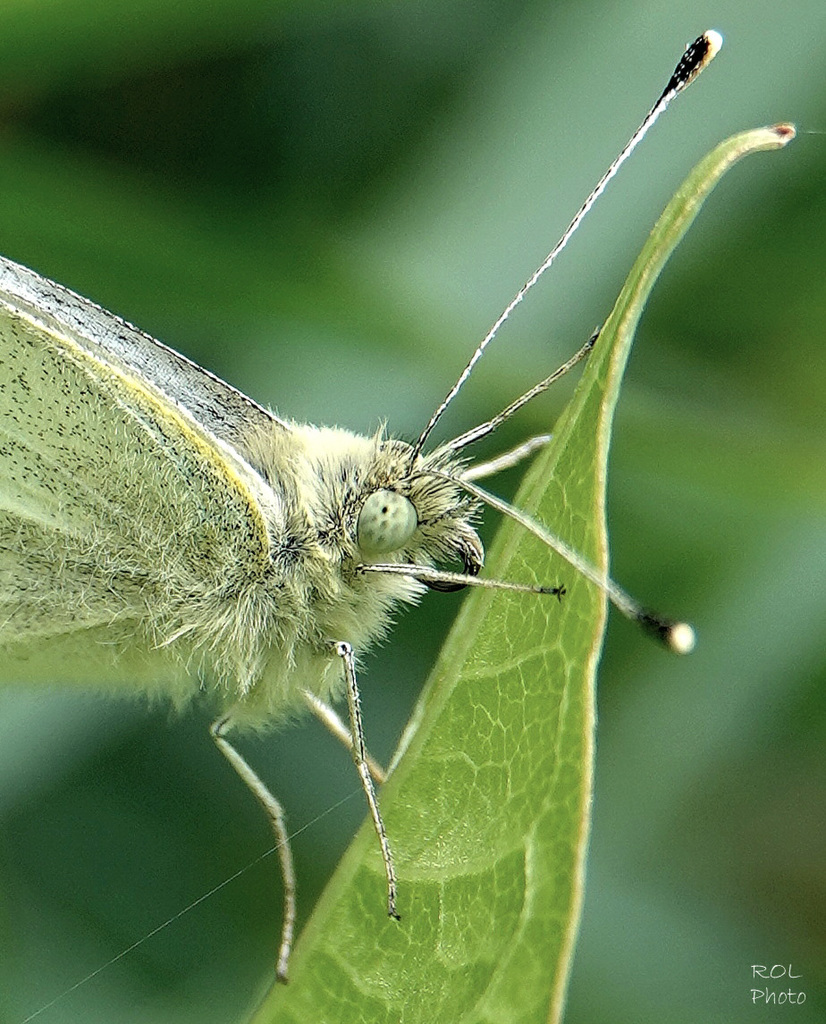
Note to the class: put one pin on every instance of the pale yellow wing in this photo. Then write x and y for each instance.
(122, 516)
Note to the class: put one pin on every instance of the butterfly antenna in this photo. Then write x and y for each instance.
(697, 56)
(677, 636)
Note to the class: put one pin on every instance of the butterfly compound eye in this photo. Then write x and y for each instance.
(386, 522)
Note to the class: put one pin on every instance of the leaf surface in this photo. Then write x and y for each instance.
(488, 807)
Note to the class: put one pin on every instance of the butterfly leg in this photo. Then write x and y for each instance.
(359, 751)
(275, 812)
(512, 457)
(331, 721)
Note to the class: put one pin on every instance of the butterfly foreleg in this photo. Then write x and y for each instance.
(345, 652)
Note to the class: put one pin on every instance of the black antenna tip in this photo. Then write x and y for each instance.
(678, 637)
(698, 55)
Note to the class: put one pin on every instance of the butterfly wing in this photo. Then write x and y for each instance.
(125, 510)
(220, 408)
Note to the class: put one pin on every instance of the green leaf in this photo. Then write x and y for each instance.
(488, 805)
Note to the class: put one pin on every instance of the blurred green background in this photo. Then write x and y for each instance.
(327, 204)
